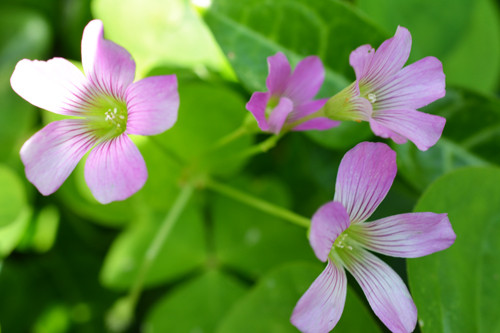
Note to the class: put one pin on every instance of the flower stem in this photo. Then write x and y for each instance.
(258, 203)
(122, 313)
(239, 132)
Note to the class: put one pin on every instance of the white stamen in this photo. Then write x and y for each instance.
(372, 98)
(121, 117)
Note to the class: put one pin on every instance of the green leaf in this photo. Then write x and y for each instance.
(12, 196)
(182, 251)
(330, 29)
(272, 300)
(457, 290)
(11, 234)
(23, 34)
(159, 33)
(251, 241)
(471, 137)
(463, 34)
(207, 113)
(196, 305)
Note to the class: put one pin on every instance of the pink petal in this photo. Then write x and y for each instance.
(361, 59)
(329, 221)
(279, 73)
(414, 86)
(319, 124)
(423, 129)
(278, 115)
(306, 80)
(365, 176)
(384, 132)
(307, 108)
(55, 85)
(257, 106)
(320, 308)
(152, 105)
(109, 66)
(407, 235)
(389, 58)
(115, 170)
(386, 292)
(52, 153)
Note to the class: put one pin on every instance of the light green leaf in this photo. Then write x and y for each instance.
(11, 234)
(272, 300)
(251, 241)
(457, 290)
(196, 305)
(158, 32)
(182, 251)
(12, 196)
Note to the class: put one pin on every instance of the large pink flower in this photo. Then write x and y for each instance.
(106, 105)
(387, 95)
(288, 104)
(340, 235)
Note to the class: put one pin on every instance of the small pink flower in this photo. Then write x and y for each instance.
(387, 95)
(340, 236)
(289, 103)
(106, 106)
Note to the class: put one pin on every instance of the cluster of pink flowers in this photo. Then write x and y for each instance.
(107, 106)
(387, 96)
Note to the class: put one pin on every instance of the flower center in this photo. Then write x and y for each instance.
(343, 241)
(108, 117)
(372, 97)
(271, 104)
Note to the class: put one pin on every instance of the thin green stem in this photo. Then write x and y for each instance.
(258, 203)
(239, 132)
(162, 234)
(261, 147)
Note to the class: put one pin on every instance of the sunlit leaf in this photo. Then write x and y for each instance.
(457, 290)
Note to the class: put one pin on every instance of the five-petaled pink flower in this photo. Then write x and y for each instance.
(106, 106)
(340, 235)
(387, 95)
(289, 104)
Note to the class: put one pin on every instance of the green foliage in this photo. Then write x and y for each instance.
(465, 35)
(196, 305)
(457, 290)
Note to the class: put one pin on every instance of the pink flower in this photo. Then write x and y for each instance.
(105, 105)
(387, 95)
(340, 236)
(289, 104)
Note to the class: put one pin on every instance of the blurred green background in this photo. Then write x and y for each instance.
(226, 267)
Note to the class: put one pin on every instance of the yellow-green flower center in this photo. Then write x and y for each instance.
(108, 117)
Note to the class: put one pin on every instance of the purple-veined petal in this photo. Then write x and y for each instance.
(386, 292)
(55, 85)
(115, 170)
(108, 65)
(320, 308)
(414, 86)
(257, 106)
(52, 153)
(407, 235)
(319, 124)
(384, 132)
(306, 80)
(152, 105)
(388, 59)
(423, 129)
(329, 221)
(278, 115)
(365, 175)
(305, 109)
(279, 73)
(360, 59)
